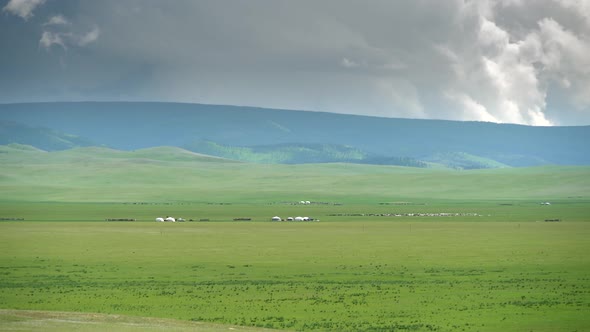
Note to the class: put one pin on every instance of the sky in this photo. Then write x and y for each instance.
(505, 61)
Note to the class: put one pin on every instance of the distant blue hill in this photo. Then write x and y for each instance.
(39, 137)
(135, 125)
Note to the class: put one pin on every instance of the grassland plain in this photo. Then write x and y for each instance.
(352, 276)
(495, 266)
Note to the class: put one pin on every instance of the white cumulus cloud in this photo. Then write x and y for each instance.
(57, 20)
(89, 37)
(507, 71)
(472, 110)
(48, 39)
(67, 39)
(22, 8)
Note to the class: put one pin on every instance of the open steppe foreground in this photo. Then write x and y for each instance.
(493, 264)
(357, 275)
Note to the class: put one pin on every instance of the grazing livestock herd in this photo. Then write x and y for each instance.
(277, 218)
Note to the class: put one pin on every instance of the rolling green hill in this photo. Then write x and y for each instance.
(271, 135)
(172, 174)
(299, 154)
(281, 154)
(461, 160)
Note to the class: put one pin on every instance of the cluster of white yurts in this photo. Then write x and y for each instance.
(299, 218)
(169, 219)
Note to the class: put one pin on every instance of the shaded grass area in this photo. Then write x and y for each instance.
(353, 276)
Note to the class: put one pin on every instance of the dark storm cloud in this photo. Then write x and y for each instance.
(503, 61)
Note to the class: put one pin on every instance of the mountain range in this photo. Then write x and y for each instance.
(288, 136)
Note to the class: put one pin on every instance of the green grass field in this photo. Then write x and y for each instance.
(330, 276)
(495, 266)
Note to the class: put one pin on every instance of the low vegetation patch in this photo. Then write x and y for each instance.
(59, 321)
